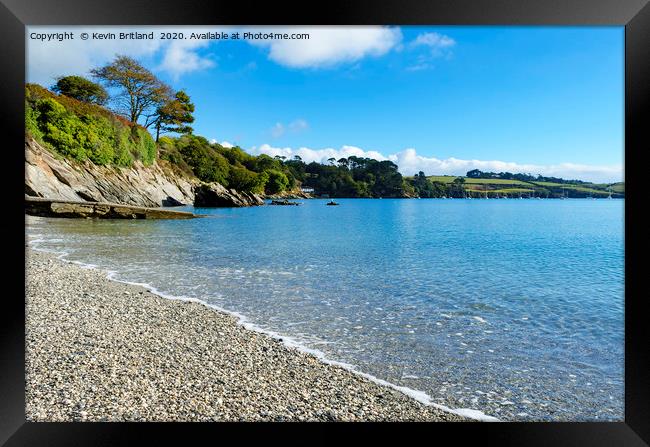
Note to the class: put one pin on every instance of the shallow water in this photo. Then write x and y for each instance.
(511, 307)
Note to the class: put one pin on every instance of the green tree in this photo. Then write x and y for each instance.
(242, 179)
(140, 91)
(175, 115)
(277, 182)
(457, 189)
(81, 89)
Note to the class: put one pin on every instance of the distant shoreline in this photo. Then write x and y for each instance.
(100, 350)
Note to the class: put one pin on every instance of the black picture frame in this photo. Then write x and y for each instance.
(633, 14)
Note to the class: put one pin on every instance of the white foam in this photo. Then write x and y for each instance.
(243, 321)
(475, 414)
(480, 320)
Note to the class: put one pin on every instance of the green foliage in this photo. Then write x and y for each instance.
(277, 181)
(425, 188)
(84, 131)
(264, 163)
(80, 89)
(123, 145)
(31, 123)
(62, 130)
(206, 163)
(242, 179)
(175, 115)
(350, 177)
(232, 167)
(238, 157)
(167, 151)
(145, 147)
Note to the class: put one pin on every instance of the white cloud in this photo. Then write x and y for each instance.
(47, 60)
(328, 46)
(437, 45)
(298, 125)
(410, 163)
(295, 126)
(277, 130)
(181, 57)
(318, 155)
(225, 144)
(433, 40)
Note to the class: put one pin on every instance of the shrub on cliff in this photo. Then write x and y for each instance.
(167, 151)
(84, 131)
(206, 163)
(31, 123)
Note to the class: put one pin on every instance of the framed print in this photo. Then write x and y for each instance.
(339, 222)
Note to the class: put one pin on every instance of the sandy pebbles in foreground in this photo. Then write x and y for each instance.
(99, 350)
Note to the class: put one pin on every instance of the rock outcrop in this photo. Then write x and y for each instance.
(66, 208)
(55, 177)
(216, 195)
(51, 176)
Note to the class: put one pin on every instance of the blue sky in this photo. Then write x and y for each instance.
(546, 100)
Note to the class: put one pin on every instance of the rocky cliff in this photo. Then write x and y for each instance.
(50, 176)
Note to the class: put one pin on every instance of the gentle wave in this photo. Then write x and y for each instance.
(290, 342)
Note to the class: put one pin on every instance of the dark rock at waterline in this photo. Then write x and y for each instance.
(216, 195)
(103, 210)
(294, 194)
(283, 202)
(170, 201)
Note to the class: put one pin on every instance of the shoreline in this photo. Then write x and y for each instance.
(100, 349)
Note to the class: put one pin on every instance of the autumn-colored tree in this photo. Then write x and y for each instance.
(175, 115)
(140, 91)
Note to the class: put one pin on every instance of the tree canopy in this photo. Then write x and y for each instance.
(140, 92)
(175, 115)
(81, 89)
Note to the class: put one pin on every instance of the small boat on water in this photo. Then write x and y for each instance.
(332, 203)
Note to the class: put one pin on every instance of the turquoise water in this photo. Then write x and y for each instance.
(511, 307)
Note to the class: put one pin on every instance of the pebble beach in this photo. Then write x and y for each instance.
(100, 350)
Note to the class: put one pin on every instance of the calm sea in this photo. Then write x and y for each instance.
(511, 307)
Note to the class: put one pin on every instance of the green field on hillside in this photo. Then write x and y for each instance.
(517, 188)
(480, 181)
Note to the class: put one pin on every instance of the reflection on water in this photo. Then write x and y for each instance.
(511, 307)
